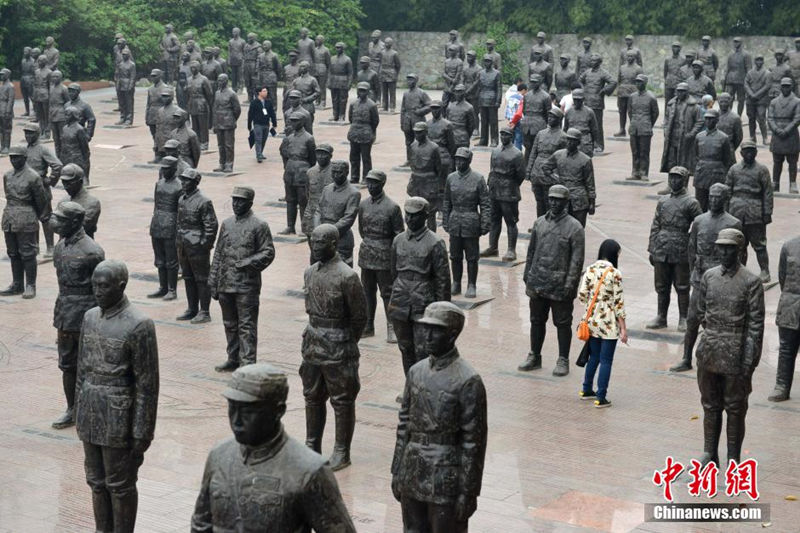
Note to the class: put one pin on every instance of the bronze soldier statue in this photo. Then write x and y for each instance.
(784, 119)
(375, 48)
(388, 71)
(75, 257)
(152, 108)
(164, 228)
(440, 132)
(236, 59)
(51, 53)
(172, 149)
(701, 257)
(262, 479)
(739, 64)
(379, 222)
(490, 94)
(27, 68)
(365, 74)
(751, 202)
(200, 99)
(776, 73)
(453, 73)
(472, 75)
(322, 65)
(552, 273)
(643, 112)
(454, 42)
(338, 206)
(170, 50)
(27, 204)
(293, 101)
(189, 148)
(564, 78)
(437, 467)
(497, 59)
(244, 249)
(163, 119)
(573, 169)
(584, 119)
(41, 95)
(305, 47)
(339, 80)
(250, 54)
(542, 47)
(75, 143)
(116, 397)
(308, 87)
(461, 115)
(182, 85)
(731, 311)
(729, 122)
(337, 314)
(6, 110)
(583, 61)
(426, 171)
(420, 276)
(413, 108)
(59, 98)
(466, 213)
(535, 107)
(42, 161)
(683, 120)
(74, 183)
(686, 72)
(210, 67)
(597, 84)
(545, 144)
(364, 120)
(699, 84)
(542, 68)
(506, 174)
(298, 152)
(268, 72)
(630, 49)
(714, 157)
(626, 86)
(672, 68)
(793, 58)
(318, 177)
(669, 238)
(709, 57)
(196, 231)
(787, 319)
(757, 84)
(225, 113)
(126, 87)
(223, 63)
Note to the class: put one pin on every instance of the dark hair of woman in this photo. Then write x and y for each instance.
(609, 251)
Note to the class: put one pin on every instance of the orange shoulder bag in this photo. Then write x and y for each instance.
(583, 325)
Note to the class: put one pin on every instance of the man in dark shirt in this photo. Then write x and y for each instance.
(259, 116)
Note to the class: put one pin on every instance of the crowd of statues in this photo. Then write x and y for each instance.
(107, 348)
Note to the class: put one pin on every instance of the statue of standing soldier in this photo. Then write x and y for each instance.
(244, 249)
(437, 467)
(364, 120)
(41, 95)
(413, 108)
(164, 228)
(116, 397)
(547, 142)
(739, 64)
(506, 174)
(421, 276)
(170, 49)
(757, 84)
(27, 68)
(787, 319)
(74, 183)
(200, 99)
(152, 108)
(6, 110)
(337, 314)
(225, 114)
(126, 88)
(338, 206)
(236, 59)
(783, 119)
(298, 151)
(643, 112)
(44, 162)
(290, 485)
(490, 94)
(388, 71)
(75, 257)
(731, 309)
(714, 157)
(339, 79)
(426, 172)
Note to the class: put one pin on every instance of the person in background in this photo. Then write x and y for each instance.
(259, 116)
(513, 107)
(607, 320)
(566, 101)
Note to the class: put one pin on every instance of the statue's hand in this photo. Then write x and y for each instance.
(465, 506)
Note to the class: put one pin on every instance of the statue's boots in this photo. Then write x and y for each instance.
(162, 284)
(735, 432)
(686, 362)
(472, 279)
(494, 239)
(683, 310)
(30, 267)
(315, 426)
(712, 427)
(18, 279)
(783, 379)
(660, 321)
(191, 299)
(103, 513)
(564, 340)
(172, 284)
(458, 271)
(125, 503)
(345, 426)
(204, 298)
(68, 418)
(511, 254)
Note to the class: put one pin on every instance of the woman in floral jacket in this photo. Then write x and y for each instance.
(607, 321)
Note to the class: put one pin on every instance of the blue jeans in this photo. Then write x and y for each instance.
(601, 352)
(518, 137)
(260, 134)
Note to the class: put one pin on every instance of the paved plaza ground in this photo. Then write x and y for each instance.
(553, 463)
